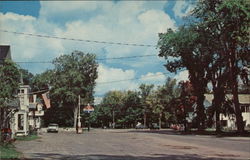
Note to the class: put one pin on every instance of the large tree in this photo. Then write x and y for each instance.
(74, 75)
(162, 101)
(214, 47)
(42, 81)
(182, 49)
(145, 91)
(133, 110)
(112, 105)
(9, 81)
(228, 23)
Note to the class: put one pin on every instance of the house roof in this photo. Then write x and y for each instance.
(243, 98)
(4, 50)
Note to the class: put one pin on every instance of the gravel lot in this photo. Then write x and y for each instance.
(101, 144)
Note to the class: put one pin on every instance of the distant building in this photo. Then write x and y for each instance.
(229, 121)
(28, 116)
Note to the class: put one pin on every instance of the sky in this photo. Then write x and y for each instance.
(133, 22)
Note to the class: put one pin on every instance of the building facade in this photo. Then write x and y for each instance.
(229, 121)
(28, 116)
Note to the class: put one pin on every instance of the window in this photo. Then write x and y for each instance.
(224, 123)
(21, 90)
(20, 121)
(247, 108)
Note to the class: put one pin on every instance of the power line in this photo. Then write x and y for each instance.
(131, 79)
(148, 55)
(75, 39)
(98, 59)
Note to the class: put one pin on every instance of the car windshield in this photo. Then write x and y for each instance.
(53, 125)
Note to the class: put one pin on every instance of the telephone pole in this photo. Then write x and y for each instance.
(79, 130)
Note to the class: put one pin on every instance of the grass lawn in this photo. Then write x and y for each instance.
(7, 151)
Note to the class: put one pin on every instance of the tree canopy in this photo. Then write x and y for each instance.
(213, 47)
(9, 81)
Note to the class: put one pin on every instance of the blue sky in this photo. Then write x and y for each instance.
(113, 21)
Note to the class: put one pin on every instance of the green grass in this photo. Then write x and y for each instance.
(7, 151)
(27, 138)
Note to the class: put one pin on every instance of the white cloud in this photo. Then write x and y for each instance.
(182, 76)
(124, 21)
(153, 78)
(119, 79)
(109, 79)
(15, 17)
(182, 8)
(156, 21)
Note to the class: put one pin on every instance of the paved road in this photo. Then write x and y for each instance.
(132, 145)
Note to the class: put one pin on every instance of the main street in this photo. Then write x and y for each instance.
(101, 144)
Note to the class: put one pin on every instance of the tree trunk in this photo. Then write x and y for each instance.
(239, 118)
(145, 119)
(217, 119)
(199, 85)
(200, 111)
(219, 97)
(234, 87)
(185, 113)
(113, 117)
(75, 110)
(160, 115)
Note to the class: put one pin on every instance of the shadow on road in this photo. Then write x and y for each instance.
(41, 156)
(208, 133)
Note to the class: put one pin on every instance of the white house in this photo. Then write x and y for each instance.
(35, 113)
(28, 115)
(230, 120)
(21, 126)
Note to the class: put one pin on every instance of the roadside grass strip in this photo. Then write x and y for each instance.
(7, 151)
(27, 138)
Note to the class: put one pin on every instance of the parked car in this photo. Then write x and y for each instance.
(140, 126)
(53, 127)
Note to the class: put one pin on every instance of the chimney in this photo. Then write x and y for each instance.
(34, 98)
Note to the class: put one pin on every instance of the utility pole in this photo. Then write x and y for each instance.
(113, 115)
(79, 130)
(144, 117)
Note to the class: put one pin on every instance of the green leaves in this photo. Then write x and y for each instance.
(213, 47)
(9, 81)
(75, 75)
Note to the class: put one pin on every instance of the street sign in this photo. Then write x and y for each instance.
(88, 109)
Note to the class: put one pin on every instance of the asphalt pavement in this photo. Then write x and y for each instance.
(106, 144)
